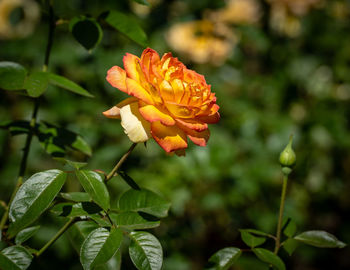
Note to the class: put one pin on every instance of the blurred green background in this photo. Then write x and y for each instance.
(278, 67)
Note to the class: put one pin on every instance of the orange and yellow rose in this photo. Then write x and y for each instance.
(169, 102)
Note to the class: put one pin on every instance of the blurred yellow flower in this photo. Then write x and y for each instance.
(18, 18)
(202, 41)
(284, 17)
(239, 12)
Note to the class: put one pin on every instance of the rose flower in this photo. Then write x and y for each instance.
(169, 102)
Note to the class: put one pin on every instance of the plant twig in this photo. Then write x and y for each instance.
(120, 162)
(57, 235)
(279, 225)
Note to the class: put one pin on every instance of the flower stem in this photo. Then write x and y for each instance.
(279, 225)
(57, 235)
(120, 162)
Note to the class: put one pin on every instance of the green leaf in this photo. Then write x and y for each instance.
(33, 198)
(319, 239)
(76, 196)
(269, 257)
(72, 164)
(251, 240)
(93, 184)
(86, 31)
(290, 245)
(15, 258)
(289, 228)
(145, 251)
(143, 2)
(16, 127)
(12, 76)
(25, 234)
(67, 84)
(99, 246)
(102, 221)
(79, 231)
(127, 25)
(37, 83)
(253, 231)
(133, 221)
(56, 140)
(144, 201)
(75, 209)
(225, 258)
(113, 264)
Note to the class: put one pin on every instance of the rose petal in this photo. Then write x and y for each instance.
(210, 119)
(199, 138)
(166, 91)
(114, 112)
(137, 128)
(132, 66)
(153, 114)
(170, 138)
(192, 124)
(149, 58)
(136, 90)
(116, 77)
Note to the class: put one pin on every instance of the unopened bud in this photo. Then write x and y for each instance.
(288, 157)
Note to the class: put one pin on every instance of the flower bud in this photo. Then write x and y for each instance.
(288, 157)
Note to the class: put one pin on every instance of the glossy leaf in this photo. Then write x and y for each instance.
(25, 234)
(319, 239)
(290, 245)
(12, 76)
(15, 258)
(225, 258)
(144, 201)
(75, 209)
(145, 251)
(79, 231)
(289, 228)
(86, 31)
(251, 240)
(113, 264)
(36, 83)
(76, 196)
(99, 246)
(133, 221)
(269, 257)
(127, 25)
(67, 84)
(33, 198)
(93, 184)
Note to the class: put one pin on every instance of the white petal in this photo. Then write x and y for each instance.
(135, 126)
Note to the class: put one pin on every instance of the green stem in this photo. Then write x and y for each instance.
(120, 162)
(57, 235)
(279, 226)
